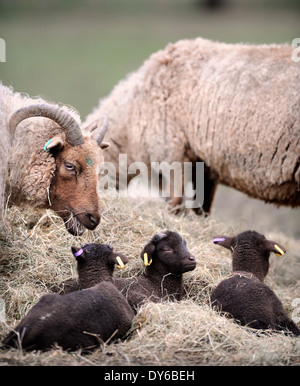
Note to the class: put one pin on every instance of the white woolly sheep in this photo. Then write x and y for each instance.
(233, 106)
(46, 161)
(243, 295)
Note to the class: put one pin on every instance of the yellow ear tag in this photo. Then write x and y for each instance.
(120, 262)
(281, 253)
(146, 260)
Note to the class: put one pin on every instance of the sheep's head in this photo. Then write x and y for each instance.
(96, 262)
(169, 249)
(251, 251)
(73, 187)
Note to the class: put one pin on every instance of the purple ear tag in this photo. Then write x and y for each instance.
(217, 239)
(78, 253)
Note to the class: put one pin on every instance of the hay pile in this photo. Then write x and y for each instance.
(35, 254)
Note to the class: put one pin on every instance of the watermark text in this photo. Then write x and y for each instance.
(2, 50)
(159, 179)
(296, 51)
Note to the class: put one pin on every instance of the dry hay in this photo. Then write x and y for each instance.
(35, 255)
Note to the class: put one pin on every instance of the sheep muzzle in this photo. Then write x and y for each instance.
(74, 226)
(190, 263)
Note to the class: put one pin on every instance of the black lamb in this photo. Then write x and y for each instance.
(243, 295)
(166, 258)
(95, 264)
(80, 319)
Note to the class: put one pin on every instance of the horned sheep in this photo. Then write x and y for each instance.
(233, 106)
(244, 296)
(47, 162)
(80, 319)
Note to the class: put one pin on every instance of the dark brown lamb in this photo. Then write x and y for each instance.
(166, 259)
(243, 295)
(95, 264)
(81, 319)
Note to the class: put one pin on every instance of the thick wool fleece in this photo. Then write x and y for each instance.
(233, 106)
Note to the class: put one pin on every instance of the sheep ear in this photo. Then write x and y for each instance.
(147, 252)
(104, 145)
(150, 248)
(277, 248)
(147, 262)
(120, 260)
(225, 241)
(56, 142)
(158, 237)
(78, 253)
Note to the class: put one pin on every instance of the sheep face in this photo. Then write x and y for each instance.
(169, 249)
(73, 190)
(69, 185)
(251, 251)
(95, 255)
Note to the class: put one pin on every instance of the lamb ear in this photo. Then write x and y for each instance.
(147, 253)
(119, 259)
(78, 253)
(277, 248)
(159, 236)
(225, 241)
(150, 248)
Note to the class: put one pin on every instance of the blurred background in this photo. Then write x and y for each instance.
(74, 52)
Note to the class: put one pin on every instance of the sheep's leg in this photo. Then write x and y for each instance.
(176, 201)
(284, 323)
(291, 326)
(210, 186)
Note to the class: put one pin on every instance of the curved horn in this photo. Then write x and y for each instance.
(101, 131)
(57, 114)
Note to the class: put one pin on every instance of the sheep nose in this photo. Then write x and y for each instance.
(94, 219)
(192, 258)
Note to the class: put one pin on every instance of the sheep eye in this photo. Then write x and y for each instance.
(168, 250)
(70, 167)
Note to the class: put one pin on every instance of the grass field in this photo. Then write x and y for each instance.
(74, 54)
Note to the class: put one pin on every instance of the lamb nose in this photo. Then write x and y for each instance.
(192, 258)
